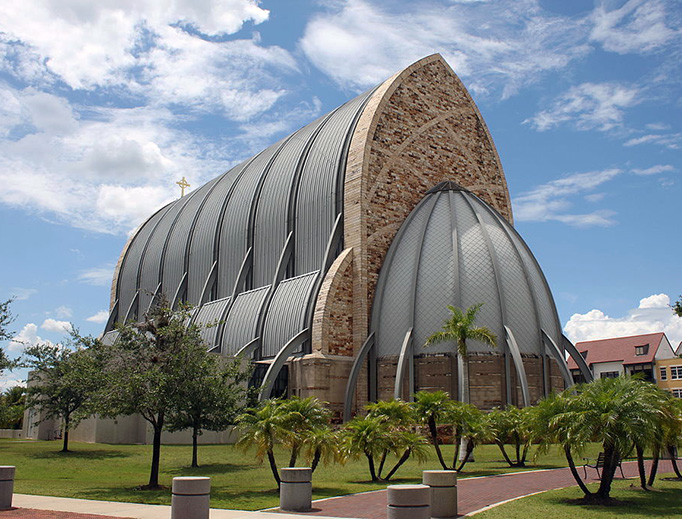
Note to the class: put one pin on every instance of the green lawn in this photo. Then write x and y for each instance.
(111, 472)
(631, 502)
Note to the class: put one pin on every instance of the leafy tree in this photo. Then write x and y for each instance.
(430, 408)
(322, 444)
(63, 382)
(470, 428)
(368, 436)
(6, 319)
(459, 328)
(677, 307)
(261, 428)
(511, 426)
(148, 370)
(12, 406)
(212, 400)
(399, 415)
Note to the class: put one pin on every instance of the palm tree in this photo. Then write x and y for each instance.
(399, 416)
(367, 436)
(459, 327)
(322, 444)
(430, 408)
(300, 417)
(510, 426)
(261, 428)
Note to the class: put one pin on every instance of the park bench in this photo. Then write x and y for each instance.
(600, 465)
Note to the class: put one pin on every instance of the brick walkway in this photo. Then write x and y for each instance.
(27, 513)
(473, 493)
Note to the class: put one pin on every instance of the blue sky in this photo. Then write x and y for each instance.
(105, 105)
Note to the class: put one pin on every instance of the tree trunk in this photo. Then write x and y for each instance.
(457, 440)
(402, 460)
(469, 449)
(517, 444)
(525, 453)
(464, 396)
(273, 466)
(156, 454)
(671, 451)
(640, 467)
(504, 454)
(294, 455)
(654, 466)
(316, 459)
(609, 469)
(195, 447)
(372, 472)
(574, 471)
(434, 438)
(67, 423)
(381, 463)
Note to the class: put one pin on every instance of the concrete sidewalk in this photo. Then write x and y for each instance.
(130, 510)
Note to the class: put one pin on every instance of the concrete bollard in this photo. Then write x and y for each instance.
(6, 486)
(296, 489)
(409, 502)
(191, 497)
(443, 484)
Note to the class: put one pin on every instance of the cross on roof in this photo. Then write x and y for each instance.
(183, 184)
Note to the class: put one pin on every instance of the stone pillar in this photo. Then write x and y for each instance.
(191, 497)
(443, 485)
(296, 489)
(6, 486)
(409, 502)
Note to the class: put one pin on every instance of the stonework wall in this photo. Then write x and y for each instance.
(332, 331)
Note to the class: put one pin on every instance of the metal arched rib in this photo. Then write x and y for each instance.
(578, 358)
(278, 362)
(247, 351)
(353, 376)
(558, 356)
(405, 361)
(518, 363)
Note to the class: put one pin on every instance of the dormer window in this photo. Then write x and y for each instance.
(642, 350)
(583, 354)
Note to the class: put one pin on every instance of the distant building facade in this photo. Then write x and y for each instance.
(650, 355)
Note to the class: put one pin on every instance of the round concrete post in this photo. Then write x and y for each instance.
(191, 497)
(6, 486)
(443, 484)
(296, 489)
(409, 502)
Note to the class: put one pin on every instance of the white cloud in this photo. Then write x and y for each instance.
(651, 316)
(97, 276)
(638, 26)
(671, 141)
(63, 312)
(8, 380)
(28, 336)
(22, 294)
(654, 170)
(588, 106)
(52, 325)
(498, 45)
(552, 201)
(99, 317)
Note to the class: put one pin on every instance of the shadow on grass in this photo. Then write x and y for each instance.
(127, 495)
(207, 470)
(98, 454)
(662, 503)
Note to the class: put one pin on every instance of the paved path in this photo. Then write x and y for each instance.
(474, 494)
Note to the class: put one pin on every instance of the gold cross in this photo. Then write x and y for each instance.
(183, 184)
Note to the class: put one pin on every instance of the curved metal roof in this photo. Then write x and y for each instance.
(454, 249)
(294, 186)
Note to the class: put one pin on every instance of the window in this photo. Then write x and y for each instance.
(614, 374)
(677, 393)
(642, 350)
(676, 372)
(664, 373)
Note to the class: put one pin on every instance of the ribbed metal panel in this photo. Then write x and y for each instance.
(130, 269)
(286, 313)
(240, 325)
(504, 276)
(109, 338)
(175, 255)
(317, 189)
(208, 320)
(150, 271)
(235, 221)
(394, 311)
(270, 226)
(435, 287)
(202, 239)
(519, 307)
